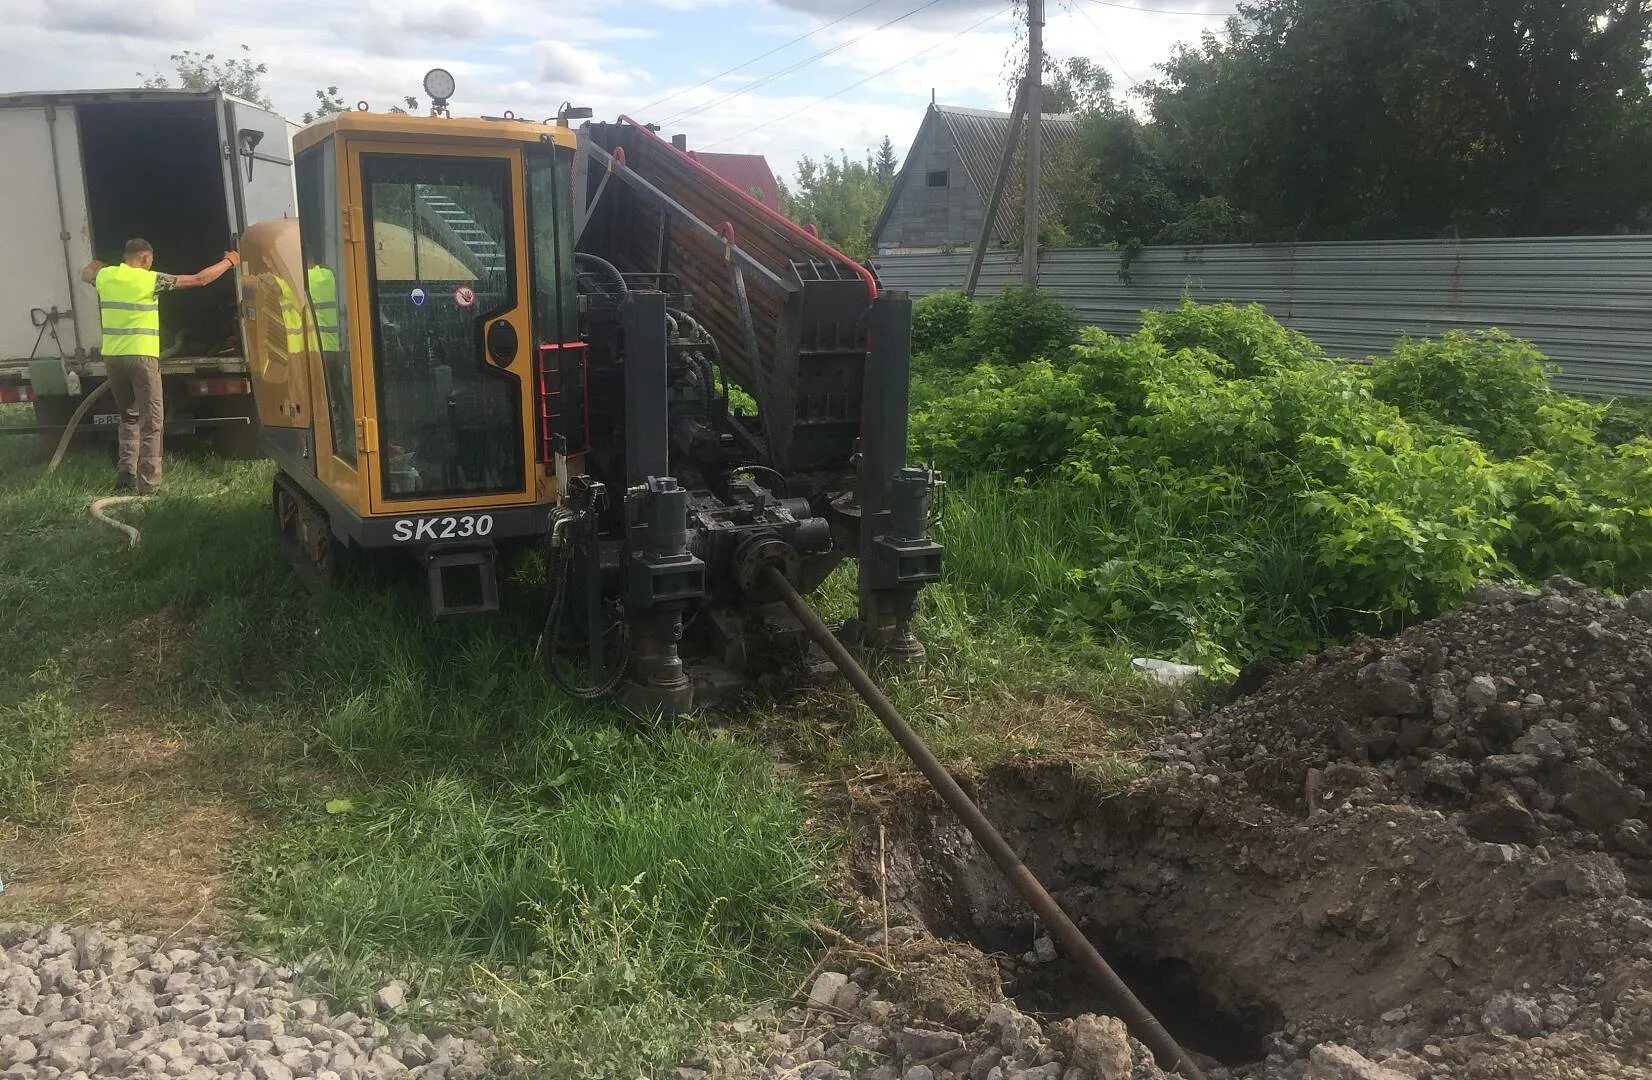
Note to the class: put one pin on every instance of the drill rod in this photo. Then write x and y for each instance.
(1142, 1023)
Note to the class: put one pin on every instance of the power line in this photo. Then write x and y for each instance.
(805, 62)
(1160, 11)
(760, 56)
(1102, 38)
(863, 82)
(1138, 9)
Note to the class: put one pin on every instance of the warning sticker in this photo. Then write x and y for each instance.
(464, 296)
(417, 296)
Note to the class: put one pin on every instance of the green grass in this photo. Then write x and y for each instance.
(638, 881)
(428, 806)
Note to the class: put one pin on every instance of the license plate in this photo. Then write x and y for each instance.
(425, 530)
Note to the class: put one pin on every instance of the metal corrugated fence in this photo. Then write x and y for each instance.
(1586, 302)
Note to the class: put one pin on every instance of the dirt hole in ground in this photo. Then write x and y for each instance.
(1224, 1023)
(1248, 931)
(1223, 1011)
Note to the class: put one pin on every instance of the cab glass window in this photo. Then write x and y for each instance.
(441, 267)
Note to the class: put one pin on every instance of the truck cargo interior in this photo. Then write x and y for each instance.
(153, 169)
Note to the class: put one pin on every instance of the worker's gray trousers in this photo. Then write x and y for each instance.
(136, 383)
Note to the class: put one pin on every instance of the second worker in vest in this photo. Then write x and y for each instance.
(128, 302)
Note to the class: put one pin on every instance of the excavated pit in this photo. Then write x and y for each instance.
(1228, 1024)
(1255, 934)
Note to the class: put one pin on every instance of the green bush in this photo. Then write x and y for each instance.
(1246, 339)
(1623, 420)
(940, 319)
(1487, 383)
(1586, 513)
(1245, 494)
(1020, 325)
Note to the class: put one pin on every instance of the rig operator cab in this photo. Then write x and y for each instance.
(486, 332)
(398, 333)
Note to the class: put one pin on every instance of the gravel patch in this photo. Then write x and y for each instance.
(79, 1003)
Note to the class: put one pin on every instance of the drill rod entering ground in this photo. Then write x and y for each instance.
(1142, 1023)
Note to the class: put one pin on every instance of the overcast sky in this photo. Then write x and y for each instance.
(642, 57)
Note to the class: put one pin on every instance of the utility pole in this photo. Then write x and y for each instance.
(1018, 119)
(1035, 130)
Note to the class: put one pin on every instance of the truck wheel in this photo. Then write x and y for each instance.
(236, 435)
(52, 413)
(237, 441)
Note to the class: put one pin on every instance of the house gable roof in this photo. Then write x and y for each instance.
(748, 172)
(979, 136)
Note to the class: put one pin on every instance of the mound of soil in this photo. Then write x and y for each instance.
(1524, 714)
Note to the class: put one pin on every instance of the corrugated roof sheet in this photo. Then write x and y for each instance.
(748, 172)
(979, 135)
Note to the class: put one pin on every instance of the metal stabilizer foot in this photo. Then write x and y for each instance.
(646, 699)
(897, 647)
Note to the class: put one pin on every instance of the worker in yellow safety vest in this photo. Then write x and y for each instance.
(324, 302)
(128, 302)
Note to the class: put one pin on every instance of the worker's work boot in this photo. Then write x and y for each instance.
(125, 482)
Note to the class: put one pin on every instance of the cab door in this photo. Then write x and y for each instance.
(447, 378)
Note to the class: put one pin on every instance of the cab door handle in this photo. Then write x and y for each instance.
(502, 342)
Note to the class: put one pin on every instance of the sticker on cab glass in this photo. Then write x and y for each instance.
(417, 296)
(464, 296)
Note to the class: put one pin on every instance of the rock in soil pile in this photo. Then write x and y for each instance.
(83, 1003)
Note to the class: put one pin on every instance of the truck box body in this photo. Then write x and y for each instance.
(188, 171)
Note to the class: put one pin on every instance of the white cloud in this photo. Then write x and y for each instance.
(160, 20)
(860, 15)
(560, 64)
(690, 5)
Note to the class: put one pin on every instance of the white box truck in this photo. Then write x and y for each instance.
(87, 170)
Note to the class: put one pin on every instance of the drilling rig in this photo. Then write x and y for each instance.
(485, 333)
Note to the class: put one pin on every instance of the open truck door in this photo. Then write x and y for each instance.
(258, 173)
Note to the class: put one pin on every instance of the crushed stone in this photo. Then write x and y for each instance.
(81, 1003)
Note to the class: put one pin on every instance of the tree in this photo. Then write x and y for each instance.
(330, 101)
(884, 164)
(1077, 86)
(1325, 119)
(1321, 119)
(841, 199)
(238, 76)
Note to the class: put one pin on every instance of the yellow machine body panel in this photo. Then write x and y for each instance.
(395, 321)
